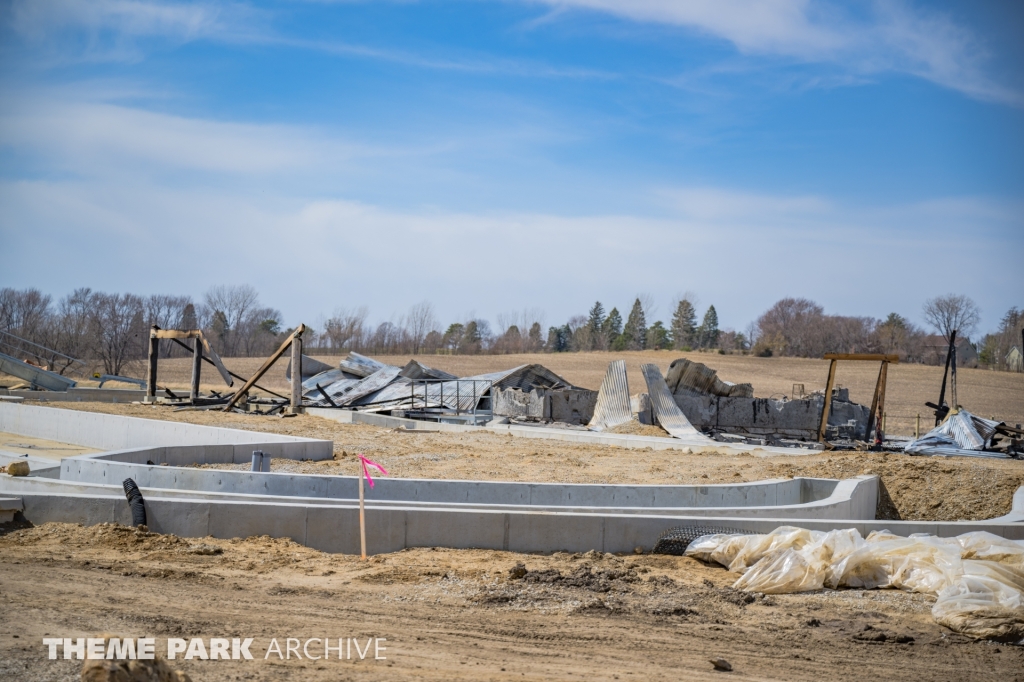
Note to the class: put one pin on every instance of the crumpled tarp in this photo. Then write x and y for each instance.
(977, 577)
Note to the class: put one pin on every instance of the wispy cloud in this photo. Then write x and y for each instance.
(114, 30)
(889, 37)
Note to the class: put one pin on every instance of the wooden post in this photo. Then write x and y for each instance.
(197, 366)
(828, 399)
(154, 352)
(263, 369)
(362, 515)
(874, 403)
(883, 374)
(296, 406)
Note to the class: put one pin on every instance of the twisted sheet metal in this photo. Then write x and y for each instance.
(360, 365)
(960, 430)
(612, 406)
(525, 377)
(365, 387)
(403, 394)
(666, 411)
(417, 370)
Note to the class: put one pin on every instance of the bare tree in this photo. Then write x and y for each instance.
(346, 329)
(952, 312)
(420, 322)
(228, 308)
(118, 327)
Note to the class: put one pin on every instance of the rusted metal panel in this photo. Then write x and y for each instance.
(612, 406)
(666, 411)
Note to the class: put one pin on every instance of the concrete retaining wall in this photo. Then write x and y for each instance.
(861, 491)
(115, 432)
(81, 394)
(855, 500)
(334, 528)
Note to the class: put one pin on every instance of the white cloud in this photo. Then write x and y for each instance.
(893, 37)
(737, 250)
(139, 18)
(111, 30)
(63, 131)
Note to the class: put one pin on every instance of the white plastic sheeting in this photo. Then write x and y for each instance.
(977, 577)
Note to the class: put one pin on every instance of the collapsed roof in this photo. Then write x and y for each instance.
(363, 383)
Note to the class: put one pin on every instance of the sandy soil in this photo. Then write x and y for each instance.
(939, 488)
(458, 615)
(986, 393)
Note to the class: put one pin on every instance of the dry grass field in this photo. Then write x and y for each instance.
(984, 392)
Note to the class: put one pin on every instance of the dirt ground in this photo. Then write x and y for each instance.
(458, 615)
(920, 488)
(986, 393)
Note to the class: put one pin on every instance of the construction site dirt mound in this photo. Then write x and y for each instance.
(634, 428)
(457, 614)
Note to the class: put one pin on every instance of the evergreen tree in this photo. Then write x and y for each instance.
(709, 329)
(453, 336)
(594, 322)
(559, 339)
(470, 342)
(188, 318)
(684, 325)
(635, 330)
(658, 337)
(536, 343)
(611, 328)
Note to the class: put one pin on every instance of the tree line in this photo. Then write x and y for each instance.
(110, 331)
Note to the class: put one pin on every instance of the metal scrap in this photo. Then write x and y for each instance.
(612, 406)
(666, 411)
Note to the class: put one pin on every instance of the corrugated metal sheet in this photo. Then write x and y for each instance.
(360, 365)
(461, 394)
(612, 406)
(37, 376)
(666, 411)
(961, 430)
(525, 377)
(950, 451)
(348, 391)
(417, 370)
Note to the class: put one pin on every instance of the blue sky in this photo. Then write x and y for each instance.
(491, 156)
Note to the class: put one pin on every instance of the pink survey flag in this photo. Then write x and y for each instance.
(366, 472)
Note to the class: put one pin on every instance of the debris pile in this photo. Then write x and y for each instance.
(964, 434)
(530, 392)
